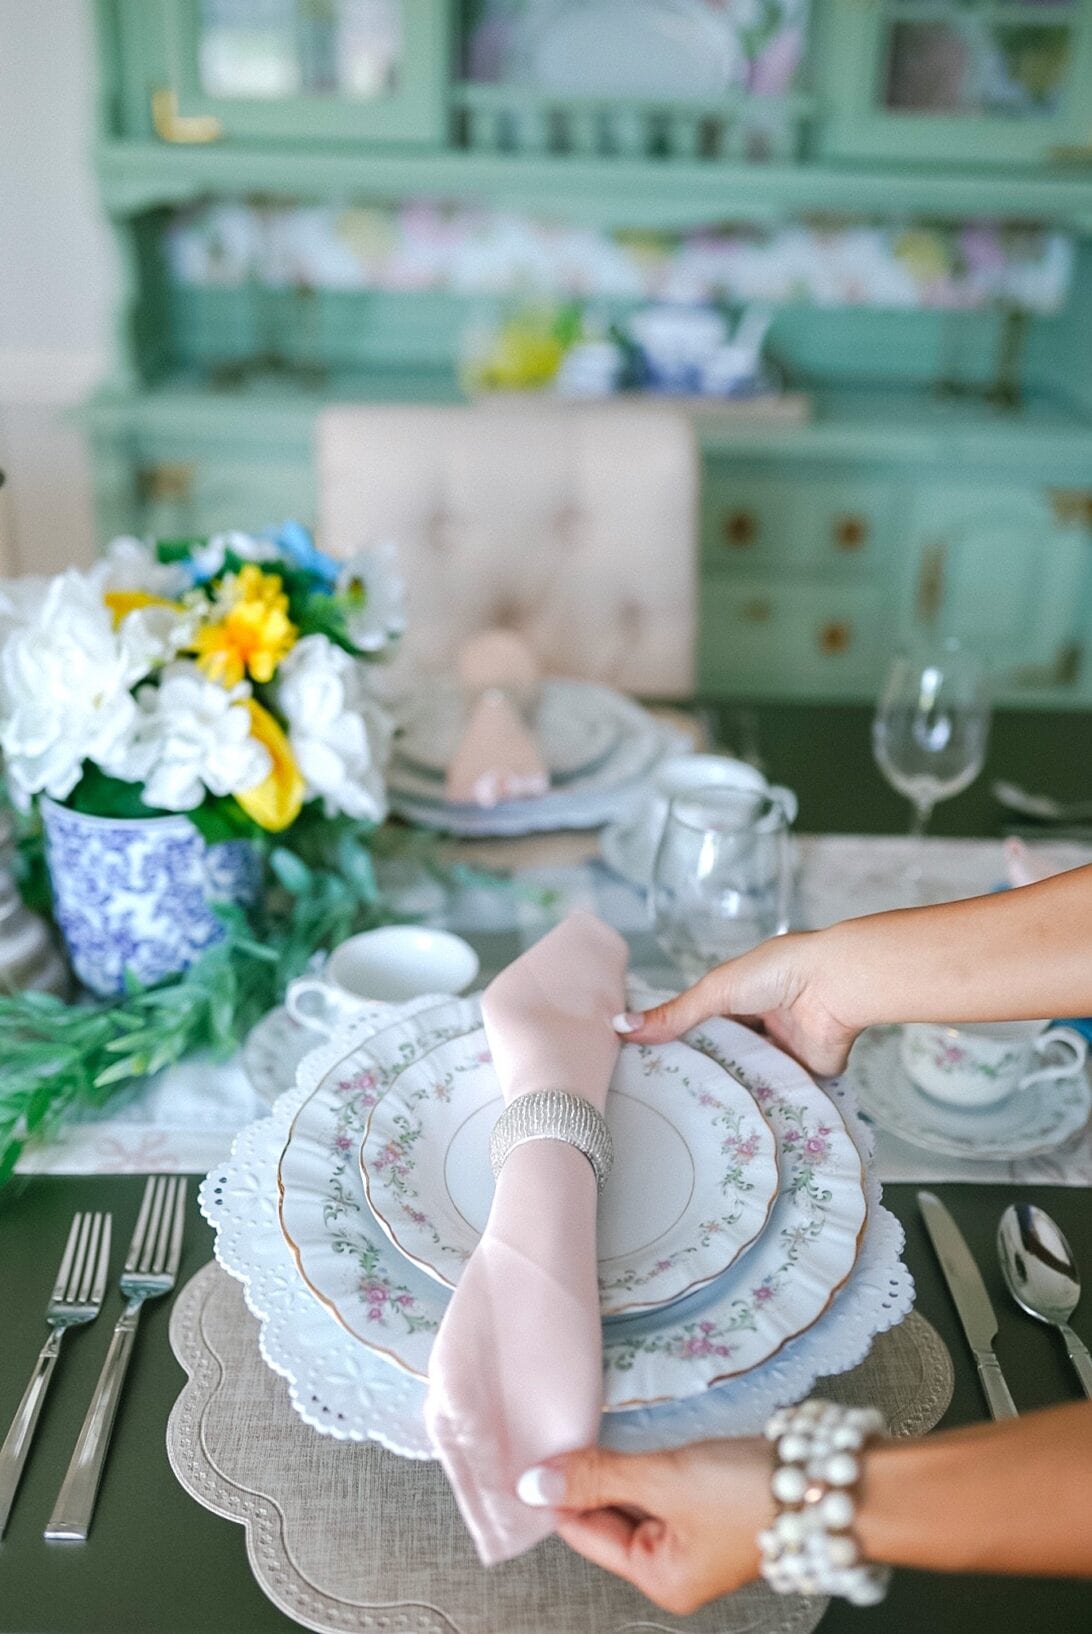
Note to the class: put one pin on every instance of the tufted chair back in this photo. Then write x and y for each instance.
(573, 525)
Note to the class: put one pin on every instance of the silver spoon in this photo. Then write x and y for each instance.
(1042, 1277)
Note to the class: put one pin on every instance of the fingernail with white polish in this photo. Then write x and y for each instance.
(626, 1022)
(541, 1487)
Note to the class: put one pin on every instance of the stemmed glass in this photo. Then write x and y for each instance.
(932, 726)
(722, 876)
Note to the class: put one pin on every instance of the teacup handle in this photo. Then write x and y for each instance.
(1072, 1040)
(312, 1002)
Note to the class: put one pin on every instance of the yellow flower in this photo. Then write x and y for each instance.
(249, 632)
(123, 602)
(275, 802)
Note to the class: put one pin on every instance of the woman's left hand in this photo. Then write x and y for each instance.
(680, 1526)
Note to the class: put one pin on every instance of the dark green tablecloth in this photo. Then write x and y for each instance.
(157, 1561)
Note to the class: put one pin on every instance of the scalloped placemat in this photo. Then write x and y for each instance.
(348, 1539)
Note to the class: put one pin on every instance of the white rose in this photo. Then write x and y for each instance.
(208, 559)
(128, 564)
(154, 635)
(377, 596)
(21, 600)
(339, 735)
(193, 737)
(65, 679)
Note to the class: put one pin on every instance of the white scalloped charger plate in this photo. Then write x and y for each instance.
(783, 1285)
(694, 1179)
(342, 1389)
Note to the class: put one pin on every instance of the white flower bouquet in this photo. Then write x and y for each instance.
(190, 722)
(227, 679)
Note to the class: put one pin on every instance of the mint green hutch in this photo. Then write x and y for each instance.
(944, 478)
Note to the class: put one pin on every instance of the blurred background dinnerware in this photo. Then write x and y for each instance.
(721, 878)
(1040, 1119)
(385, 966)
(978, 1064)
(629, 845)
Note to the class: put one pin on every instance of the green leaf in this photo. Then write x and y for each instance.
(98, 795)
(290, 870)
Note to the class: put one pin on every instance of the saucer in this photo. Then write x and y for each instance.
(1029, 1122)
(273, 1049)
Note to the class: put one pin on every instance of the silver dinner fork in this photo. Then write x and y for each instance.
(151, 1267)
(76, 1298)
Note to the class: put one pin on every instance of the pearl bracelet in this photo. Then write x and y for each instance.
(810, 1547)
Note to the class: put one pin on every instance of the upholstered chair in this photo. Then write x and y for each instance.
(574, 525)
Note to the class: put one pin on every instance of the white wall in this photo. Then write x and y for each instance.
(58, 280)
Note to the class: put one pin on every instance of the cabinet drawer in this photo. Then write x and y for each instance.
(824, 521)
(180, 496)
(761, 636)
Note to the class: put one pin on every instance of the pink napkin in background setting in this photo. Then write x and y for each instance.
(497, 757)
(516, 1370)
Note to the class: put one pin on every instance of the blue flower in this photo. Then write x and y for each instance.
(295, 543)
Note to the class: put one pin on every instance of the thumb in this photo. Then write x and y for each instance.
(592, 1478)
(711, 996)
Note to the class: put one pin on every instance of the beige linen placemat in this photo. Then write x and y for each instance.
(348, 1539)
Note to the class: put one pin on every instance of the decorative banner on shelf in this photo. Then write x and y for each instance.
(424, 246)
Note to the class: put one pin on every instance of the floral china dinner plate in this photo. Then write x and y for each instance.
(1031, 1121)
(694, 1177)
(782, 1286)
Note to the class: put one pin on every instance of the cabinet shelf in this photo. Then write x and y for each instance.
(139, 175)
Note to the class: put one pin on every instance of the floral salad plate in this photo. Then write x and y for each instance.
(1030, 1122)
(694, 1178)
(781, 1286)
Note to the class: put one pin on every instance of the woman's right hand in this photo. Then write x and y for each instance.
(785, 985)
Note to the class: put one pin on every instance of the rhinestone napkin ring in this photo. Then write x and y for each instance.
(553, 1114)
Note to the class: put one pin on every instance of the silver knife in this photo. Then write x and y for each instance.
(971, 1300)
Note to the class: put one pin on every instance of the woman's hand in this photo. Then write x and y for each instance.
(788, 984)
(680, 1526)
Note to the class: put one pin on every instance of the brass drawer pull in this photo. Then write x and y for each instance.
(740, 529)
(835, 637)
(1071, 507)
(166, 481)
(850, 532)
(931, 582)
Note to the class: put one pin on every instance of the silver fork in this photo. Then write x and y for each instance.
(76, 1298)
(151, 1267)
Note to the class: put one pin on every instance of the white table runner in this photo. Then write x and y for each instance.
(184, 1120)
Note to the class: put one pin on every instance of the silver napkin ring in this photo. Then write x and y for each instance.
(553, 1114)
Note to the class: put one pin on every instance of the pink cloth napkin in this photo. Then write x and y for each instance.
(516, 1369)
(497, 757)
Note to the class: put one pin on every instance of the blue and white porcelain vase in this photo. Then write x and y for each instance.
(134, 896)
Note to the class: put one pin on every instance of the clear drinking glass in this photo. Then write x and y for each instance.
(932, 726)
(722, 877)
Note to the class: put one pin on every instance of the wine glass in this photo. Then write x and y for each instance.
(721, 877)
(931, 726)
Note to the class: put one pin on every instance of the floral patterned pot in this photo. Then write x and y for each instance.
(134, 896)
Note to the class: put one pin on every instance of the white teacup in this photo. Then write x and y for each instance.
(981, 1063)
(385, 966)
(690, 774)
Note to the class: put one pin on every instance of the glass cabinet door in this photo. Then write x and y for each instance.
(302, 70)
(961, 79)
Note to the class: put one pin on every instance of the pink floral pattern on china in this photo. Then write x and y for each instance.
(386, 1301)
(784, 1284)
(664, 1232)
